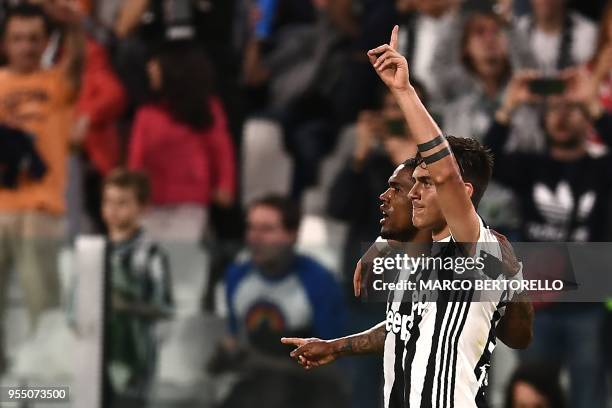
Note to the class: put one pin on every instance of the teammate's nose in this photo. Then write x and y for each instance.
(414, 193)
(384, 197)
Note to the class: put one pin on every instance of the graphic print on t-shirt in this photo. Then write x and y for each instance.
(560, 209)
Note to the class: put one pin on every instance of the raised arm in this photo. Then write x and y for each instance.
(453, 193)
(71, 64)
(312, 353)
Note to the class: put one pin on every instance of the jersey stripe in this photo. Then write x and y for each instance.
(467, 304)
(427, 392)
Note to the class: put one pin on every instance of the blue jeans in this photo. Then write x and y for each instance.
(570, 336)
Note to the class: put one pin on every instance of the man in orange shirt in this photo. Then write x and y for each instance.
(38, 101)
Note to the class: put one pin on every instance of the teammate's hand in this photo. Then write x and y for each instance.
(357, 279)
(511, 264)
(312, 352)
(390, 65)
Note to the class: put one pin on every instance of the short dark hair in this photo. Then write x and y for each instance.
(475, 163)
(289, 210)
(411, 163)
(25, 10)
(136, 181)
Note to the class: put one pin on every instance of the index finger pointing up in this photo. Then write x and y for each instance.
(394, 37)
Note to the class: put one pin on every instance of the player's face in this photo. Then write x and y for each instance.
(120, 208)
(566, 123)
(396, 207)
(25, 40)
(267, 237)
(426, 213)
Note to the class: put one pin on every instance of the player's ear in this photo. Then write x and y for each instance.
(469, 188)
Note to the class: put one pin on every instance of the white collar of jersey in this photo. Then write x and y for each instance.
(450, 235)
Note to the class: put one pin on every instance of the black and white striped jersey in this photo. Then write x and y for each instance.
(437, 353)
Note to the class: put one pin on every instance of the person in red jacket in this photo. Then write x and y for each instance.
(182, 142)
(101, 103)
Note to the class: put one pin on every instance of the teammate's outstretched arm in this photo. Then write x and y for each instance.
(312, 353)
(453, 193)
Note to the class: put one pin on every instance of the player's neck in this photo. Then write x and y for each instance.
(421, 236)
(441, 233)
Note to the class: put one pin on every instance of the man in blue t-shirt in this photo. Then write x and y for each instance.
(278, 293)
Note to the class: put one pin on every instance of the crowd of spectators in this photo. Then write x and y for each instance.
(165, 88)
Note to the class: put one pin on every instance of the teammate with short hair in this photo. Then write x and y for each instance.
(440, 356)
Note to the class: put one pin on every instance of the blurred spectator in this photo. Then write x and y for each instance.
(601, 64)
(277, 293)
(99, 107)
(485, 70)
(381, 144)
(303, 75)
(141, 25)
(552, 37)
(37, 101)
(140, 292)
(429, 35)
(534, 387)
(182, 143)
(369, 24)
(571, 166)
(564, 196)
(478, 85)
